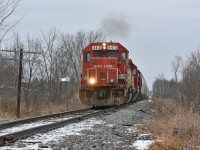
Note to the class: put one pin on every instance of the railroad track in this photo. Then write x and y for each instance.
(23, 121)
(64, 119)
(16, 135)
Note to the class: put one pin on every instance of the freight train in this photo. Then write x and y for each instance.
(109, 77)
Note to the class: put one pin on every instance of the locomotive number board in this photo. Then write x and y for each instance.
(109, 47)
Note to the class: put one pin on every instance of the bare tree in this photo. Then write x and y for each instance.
(195, 60)
(7, 9)
(176, 65)
(30, 69)
(60, 57)
(158, 86)
(191, 78)
(164, 88)
(48, 51)
(72, 46)
(9, 68)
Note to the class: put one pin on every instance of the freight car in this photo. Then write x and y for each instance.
(109, 77)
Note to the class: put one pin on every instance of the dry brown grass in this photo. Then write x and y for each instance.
(175, 125)
(37, 108)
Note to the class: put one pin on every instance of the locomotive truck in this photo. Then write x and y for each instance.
(109, 77)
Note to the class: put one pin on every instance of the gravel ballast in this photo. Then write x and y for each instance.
(117, 130)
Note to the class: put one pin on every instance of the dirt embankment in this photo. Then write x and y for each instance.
(175, 125)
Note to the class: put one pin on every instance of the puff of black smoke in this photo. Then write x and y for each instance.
(116, 26)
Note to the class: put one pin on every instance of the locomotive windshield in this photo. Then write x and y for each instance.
(98, 54)
(122, 57)
(105, 54)
(111, 54)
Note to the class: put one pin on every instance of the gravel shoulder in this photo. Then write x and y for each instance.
(118, 130)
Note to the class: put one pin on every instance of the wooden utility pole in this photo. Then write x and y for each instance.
(19, 84)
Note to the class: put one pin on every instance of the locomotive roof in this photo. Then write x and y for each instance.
(120, 47)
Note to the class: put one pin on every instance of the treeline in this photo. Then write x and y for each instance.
(186, 89)
(56, 55)
(47, 60)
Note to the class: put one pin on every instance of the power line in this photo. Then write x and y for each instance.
(20, 51)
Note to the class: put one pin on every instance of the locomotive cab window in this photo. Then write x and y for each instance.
(122, 56)
(134, 71)
(98, 54)
(111, 54)
(87, 56)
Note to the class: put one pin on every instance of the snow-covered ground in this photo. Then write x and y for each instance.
(39, 141)
(31, 125)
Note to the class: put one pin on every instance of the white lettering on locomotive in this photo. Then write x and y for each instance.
(97, 66)
(112, 47)
(109, 47)
(96, 47)
(104, 66)
(107, 66)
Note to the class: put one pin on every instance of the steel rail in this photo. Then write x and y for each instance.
(23, 121)
(12, 137)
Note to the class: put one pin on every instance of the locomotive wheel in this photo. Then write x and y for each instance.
(129, 96)
(135, 96)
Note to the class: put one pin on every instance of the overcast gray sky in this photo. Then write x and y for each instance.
(154, 31)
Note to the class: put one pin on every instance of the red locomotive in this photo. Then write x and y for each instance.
(109, 77)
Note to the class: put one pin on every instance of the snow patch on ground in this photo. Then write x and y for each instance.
(142, 144)
(131, 129)
(31, 125)
(37, 140)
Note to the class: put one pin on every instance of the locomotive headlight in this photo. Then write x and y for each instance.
(111, 80)
(104, 45)
(92, 81)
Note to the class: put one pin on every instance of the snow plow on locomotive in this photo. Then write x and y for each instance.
(109, 77)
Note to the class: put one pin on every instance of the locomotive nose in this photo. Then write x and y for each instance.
(103, 72)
